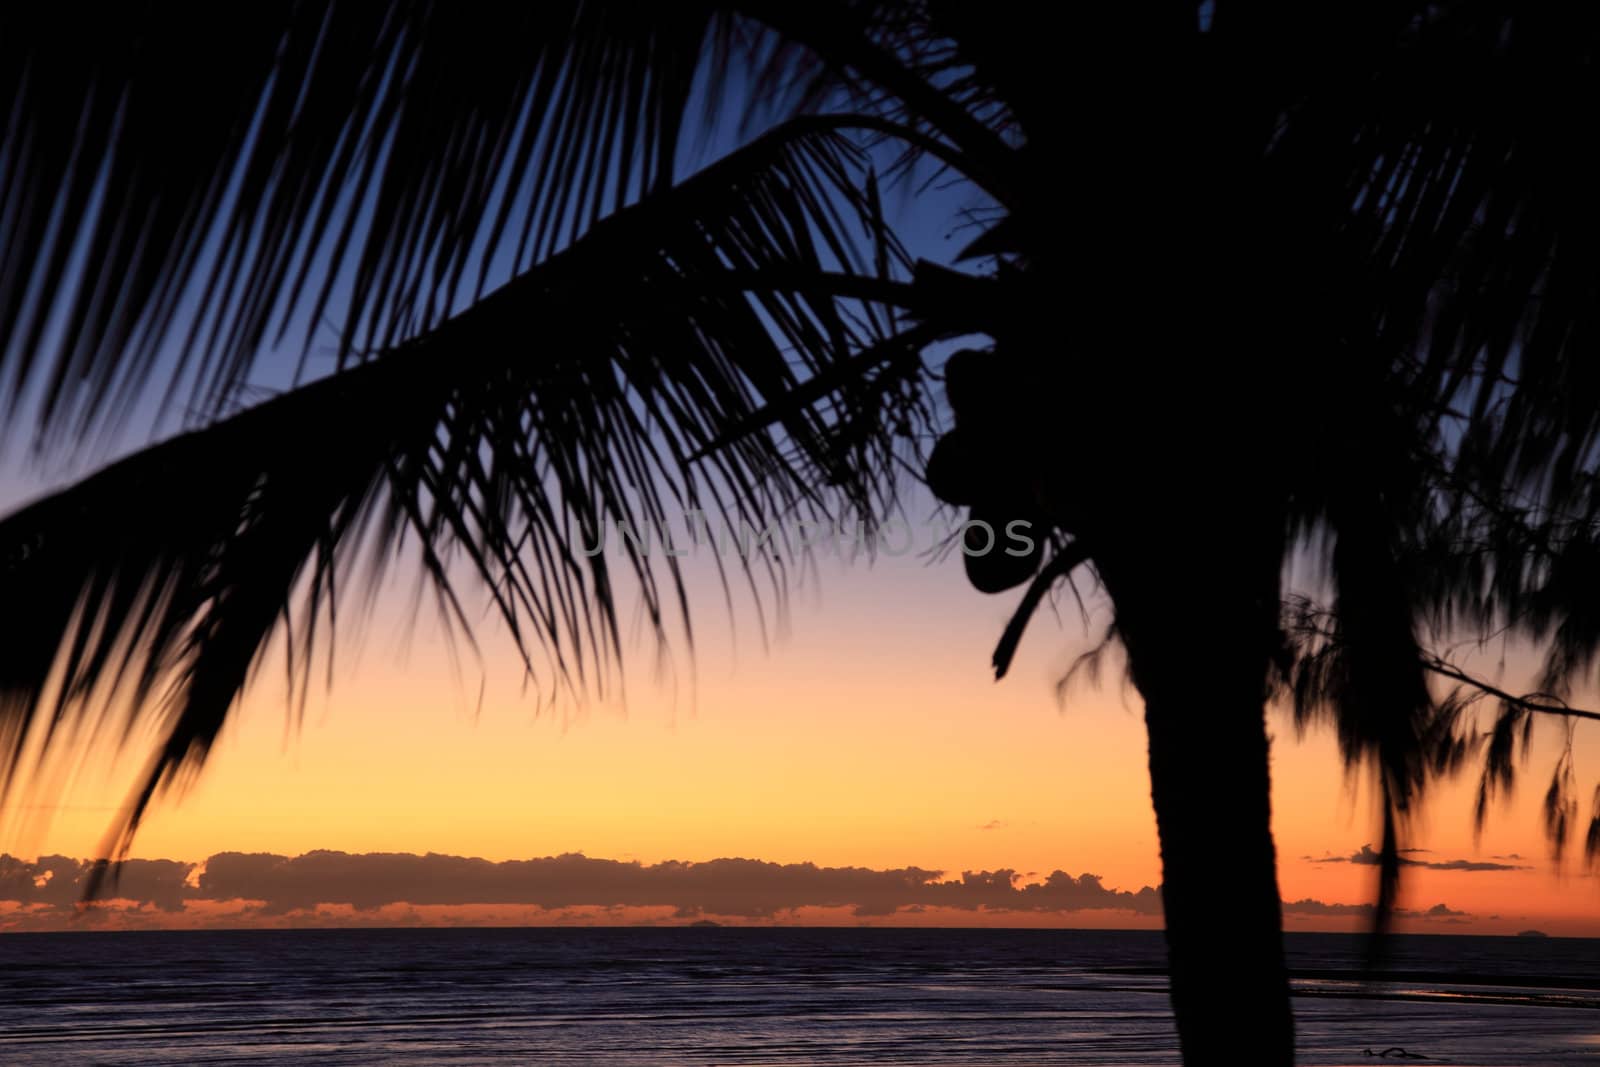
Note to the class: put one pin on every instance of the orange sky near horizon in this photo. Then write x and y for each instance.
(871, 734)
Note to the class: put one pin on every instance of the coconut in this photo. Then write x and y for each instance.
(967, 380)
(1000, 549)
(954, 471)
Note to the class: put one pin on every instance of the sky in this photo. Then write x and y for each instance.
(864, 768)
(860, 767)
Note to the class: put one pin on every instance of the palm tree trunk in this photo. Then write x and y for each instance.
(1199, 649)
(1209, 783)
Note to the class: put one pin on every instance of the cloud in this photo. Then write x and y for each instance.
(326, 887)
(1439, 911)
(59, 882)
(992, 824)
(1310, 907)
(1366, 856)
(744, 888)
(1475, 865)
(740, 888)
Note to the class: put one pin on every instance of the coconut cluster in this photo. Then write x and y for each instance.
(983, 465)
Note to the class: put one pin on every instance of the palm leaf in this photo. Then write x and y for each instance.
(180, 189)
(172, 174)
(574, 397)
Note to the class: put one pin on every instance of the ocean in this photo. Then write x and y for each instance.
(734, 996)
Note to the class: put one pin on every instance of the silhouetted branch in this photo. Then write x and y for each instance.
(835, 34)
(1530, 702)
(947, 154)
(818, 386)
(1061, 564)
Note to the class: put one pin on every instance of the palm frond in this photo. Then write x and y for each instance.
(1433, 183)
(181, 190)
(178, 175)
(1459, 191)
(574, 398)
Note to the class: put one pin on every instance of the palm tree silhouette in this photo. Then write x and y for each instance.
(1259, 286)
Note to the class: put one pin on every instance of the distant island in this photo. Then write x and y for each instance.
(1532, 933)
(712, 922)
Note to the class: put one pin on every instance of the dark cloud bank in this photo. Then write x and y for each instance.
(58, 882)
(735, 888)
